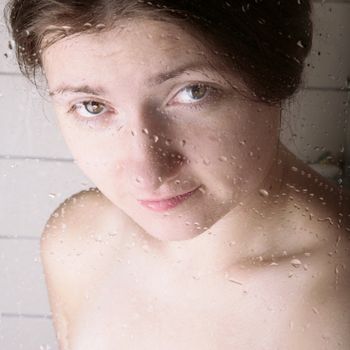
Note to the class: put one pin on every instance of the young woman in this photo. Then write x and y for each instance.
(203, 231)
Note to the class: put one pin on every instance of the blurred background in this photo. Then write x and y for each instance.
(37, 171)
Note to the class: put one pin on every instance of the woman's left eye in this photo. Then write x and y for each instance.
(90, 108)
(193, 93)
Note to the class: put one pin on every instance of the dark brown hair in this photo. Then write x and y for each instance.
(265, 40)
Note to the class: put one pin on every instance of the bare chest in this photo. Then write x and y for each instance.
(270, 313)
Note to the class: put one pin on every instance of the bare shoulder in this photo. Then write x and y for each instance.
(81, 215)
(329, 319)
(73, 234)
(325, 312)
(76, 243)
(320, 209)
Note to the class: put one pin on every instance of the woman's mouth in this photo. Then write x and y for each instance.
(166, 204)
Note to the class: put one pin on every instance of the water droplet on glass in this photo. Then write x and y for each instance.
(45, 347)
(145, 131)
(138, 179)
(100, 26)
(300, 44)
(295, 169)
(295, 262)
(263, 193)
(145, 247)
(11, 44)
(202, 190)
(206, 161)
(230, 279)
(183, 143)
(155, 138)
(168, 142)
(113, 233)
(223, 159)
(52, 195)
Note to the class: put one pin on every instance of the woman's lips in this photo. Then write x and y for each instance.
(167, 203)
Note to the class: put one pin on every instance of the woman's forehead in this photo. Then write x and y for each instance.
(132, 39)
(144, 47)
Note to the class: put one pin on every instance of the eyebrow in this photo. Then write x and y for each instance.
(156, 80)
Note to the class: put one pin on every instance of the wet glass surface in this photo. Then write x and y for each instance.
(157, 191)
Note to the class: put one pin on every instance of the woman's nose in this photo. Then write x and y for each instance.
(154, 159)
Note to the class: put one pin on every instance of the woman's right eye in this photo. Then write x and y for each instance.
(88, 109)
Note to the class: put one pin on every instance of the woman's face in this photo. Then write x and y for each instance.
(150, 113)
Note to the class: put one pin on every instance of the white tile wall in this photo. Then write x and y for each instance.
(322, 114)
(32, 183)
(31, 189)
(7, 58)
(28, 295)
(29, 121)
(323, 106)
(29, 332)
(329, 61)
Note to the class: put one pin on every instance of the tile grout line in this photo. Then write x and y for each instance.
(20, 315)
(337, 89)
(10, 73)
(325, 2)
(45, 159)
(20, 237)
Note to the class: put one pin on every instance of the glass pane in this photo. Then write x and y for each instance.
(174, 174)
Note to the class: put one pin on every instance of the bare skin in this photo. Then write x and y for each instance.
(255, 260)
(110, 287)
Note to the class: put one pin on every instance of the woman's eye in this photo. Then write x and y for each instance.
(191, 94)
(89, 108)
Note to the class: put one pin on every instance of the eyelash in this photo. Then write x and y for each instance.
(210, 93)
